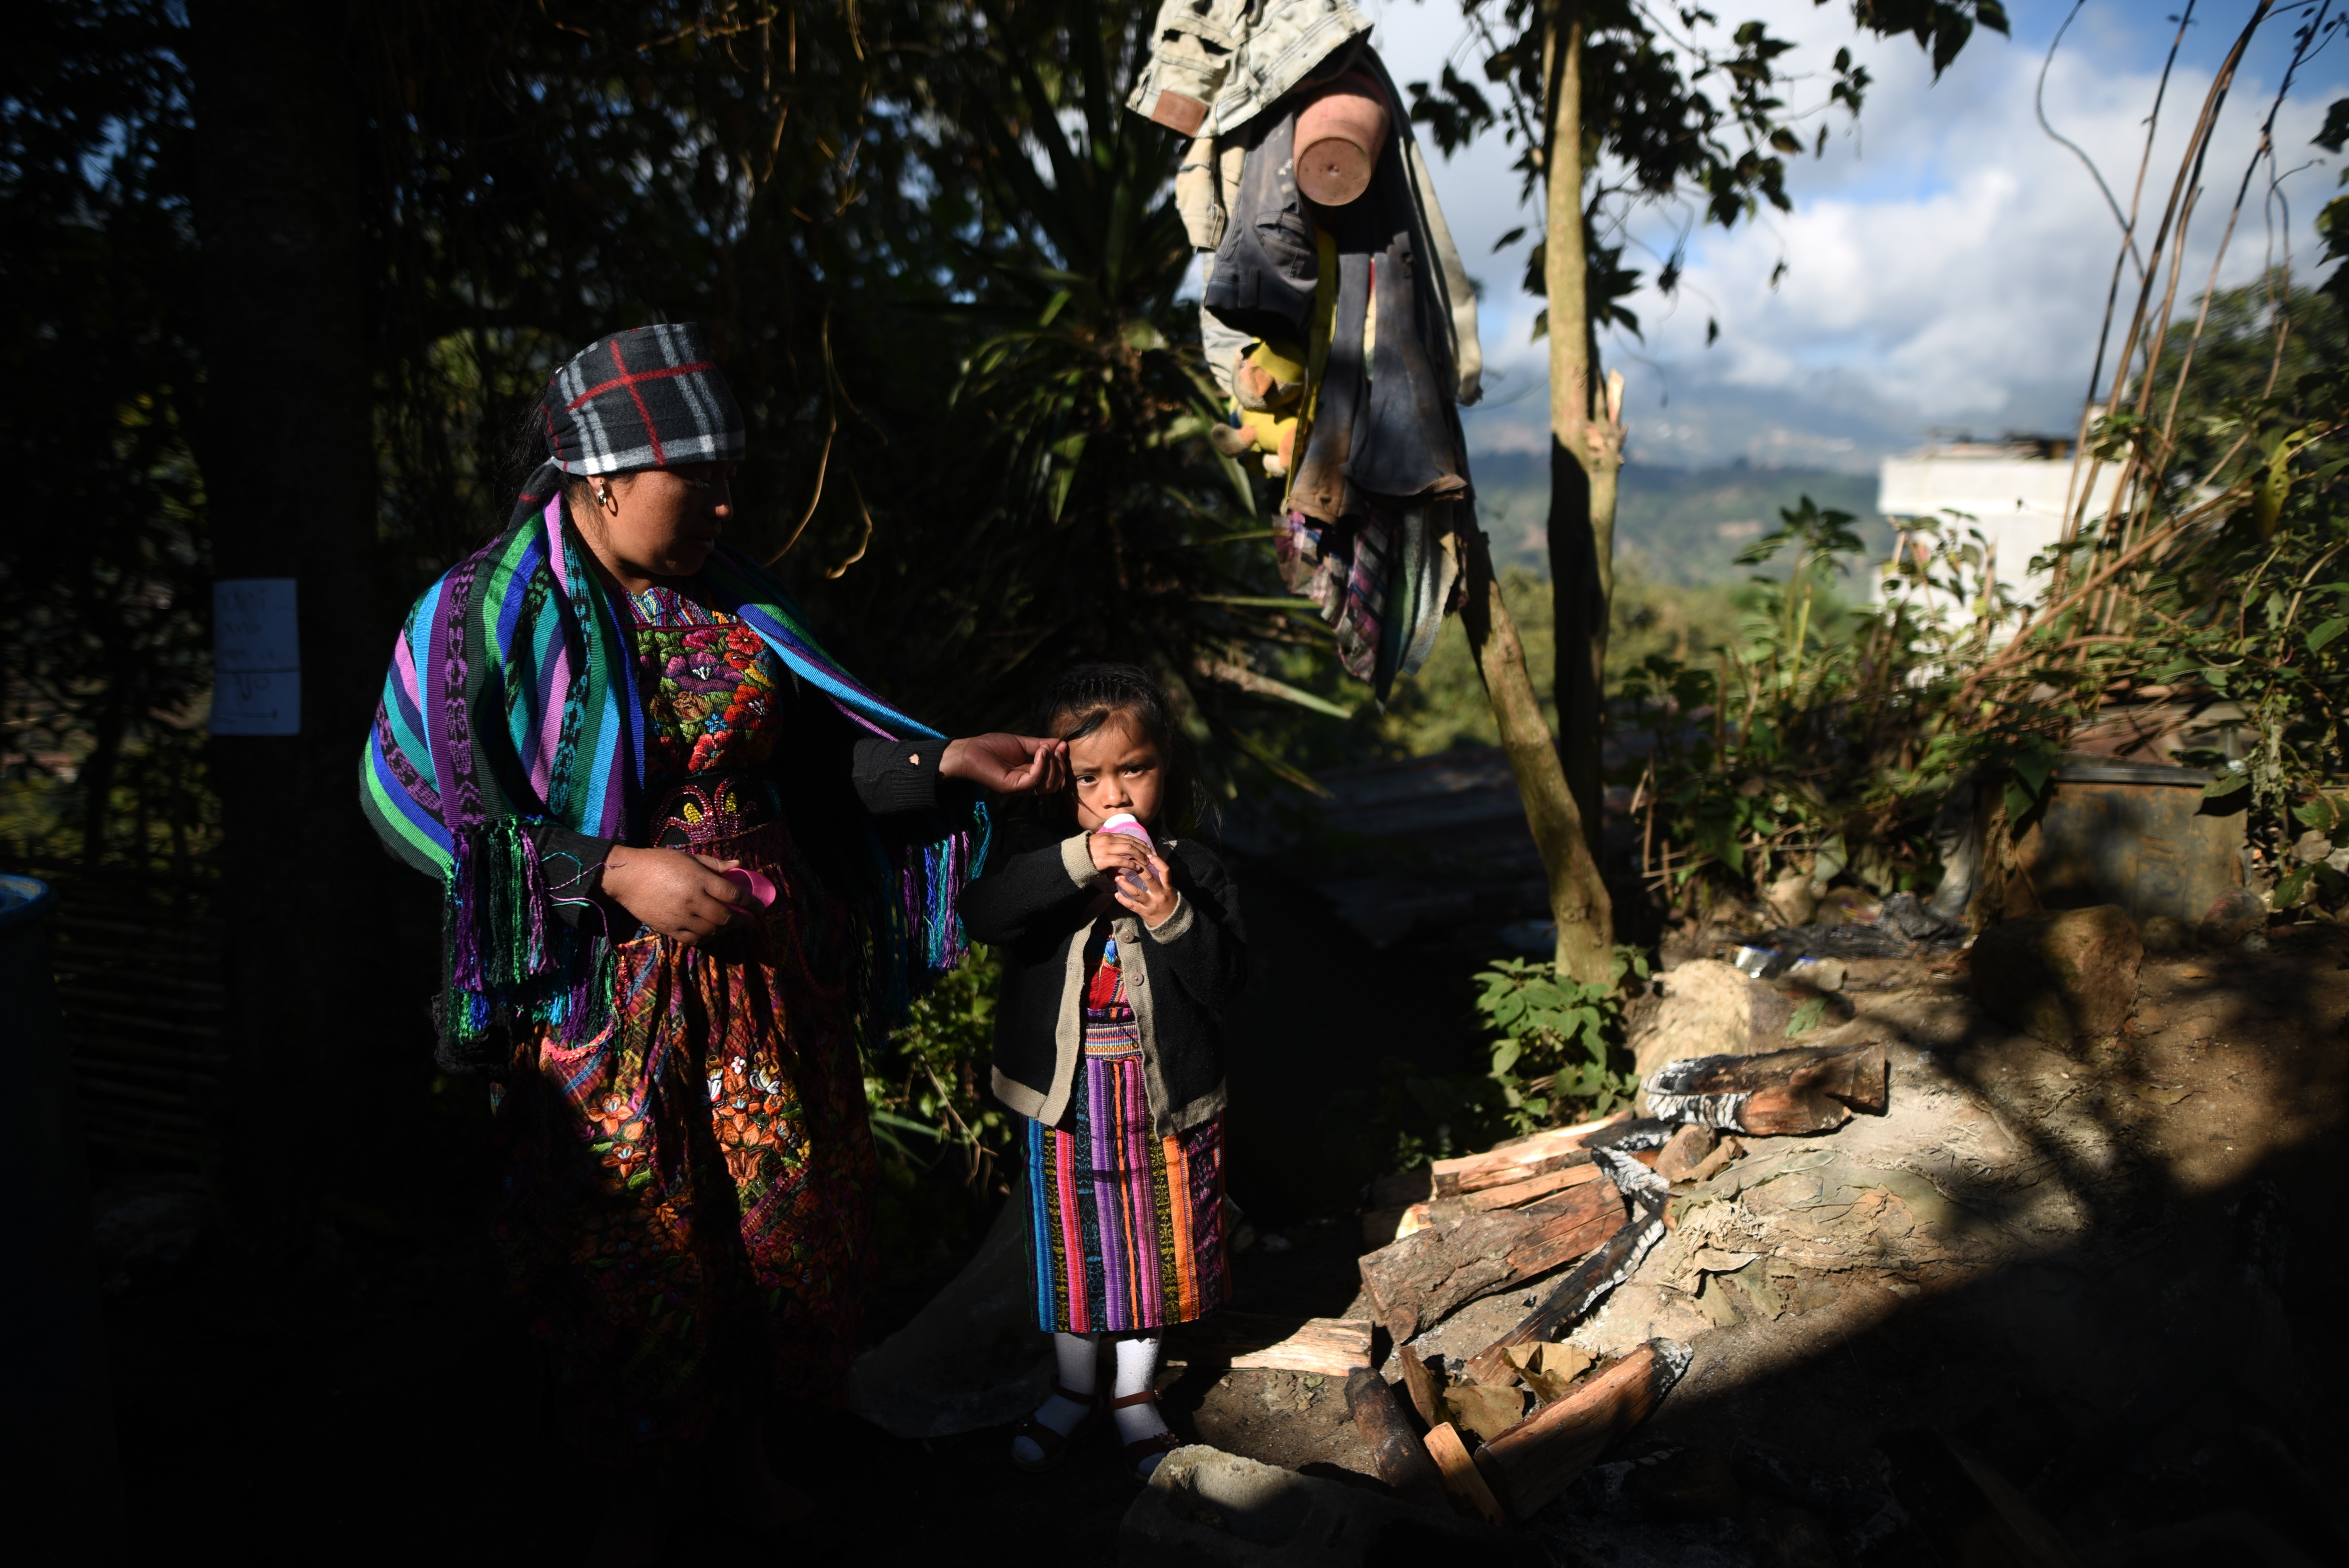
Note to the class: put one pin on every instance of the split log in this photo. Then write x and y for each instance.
(1811, 1090)
(1588, 1281)
(1466, 1483)
(1519, 1160)
(1396, 1451)
(1430, 1274)
(1538, 1457)
(1727, 1150)
(1425, 1388)
(1517, 1192)
(1687, 1152)
(1332, 1346)
(1535, 1162)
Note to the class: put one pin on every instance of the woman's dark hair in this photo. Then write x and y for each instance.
(528, 448)
(1080, 701)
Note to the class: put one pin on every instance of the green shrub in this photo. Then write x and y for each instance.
(1559, 1043)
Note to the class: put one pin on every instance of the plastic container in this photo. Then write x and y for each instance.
(753, 884)
(1126, 822)
(1339, 137)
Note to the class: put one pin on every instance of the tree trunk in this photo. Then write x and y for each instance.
(1585, 436)
(289, 471)
(1578, 898)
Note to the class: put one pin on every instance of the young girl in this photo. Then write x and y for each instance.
(1121, 952)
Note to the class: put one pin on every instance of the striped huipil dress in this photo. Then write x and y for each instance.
(1126, 1229)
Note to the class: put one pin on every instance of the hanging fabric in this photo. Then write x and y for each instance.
(1216, 64)
(1361, 291)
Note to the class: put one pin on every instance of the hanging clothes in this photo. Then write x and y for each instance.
(1207, 192)
(1376, 474)
(1215, 64)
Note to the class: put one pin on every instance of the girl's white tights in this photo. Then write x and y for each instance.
(1075, 1356)
(1138, 1369)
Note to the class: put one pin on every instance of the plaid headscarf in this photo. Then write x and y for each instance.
(649, 398)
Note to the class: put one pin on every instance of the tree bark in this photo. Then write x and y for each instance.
(1396, 1450)
(1578, 897)
(286, 449)
(1585, 436)
(1538, 1457)
(1431, 1274)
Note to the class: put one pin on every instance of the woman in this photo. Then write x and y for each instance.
(689, 866)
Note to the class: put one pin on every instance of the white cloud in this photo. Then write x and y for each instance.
(1947, 263)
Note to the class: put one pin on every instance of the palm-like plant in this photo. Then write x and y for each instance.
(1087, 387)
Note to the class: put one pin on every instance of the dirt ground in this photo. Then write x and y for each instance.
(2116, 1292)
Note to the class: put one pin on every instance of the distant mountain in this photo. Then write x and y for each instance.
(1686, 525)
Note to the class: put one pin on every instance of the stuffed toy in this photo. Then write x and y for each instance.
(1267, 394)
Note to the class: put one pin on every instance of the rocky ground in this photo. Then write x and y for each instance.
(2103, 1270)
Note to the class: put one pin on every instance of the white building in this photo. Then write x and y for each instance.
(2014, 490)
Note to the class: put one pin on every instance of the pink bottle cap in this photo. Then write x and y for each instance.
(751, 882)
(1126, 822)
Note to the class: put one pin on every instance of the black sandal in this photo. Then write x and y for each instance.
(1053, 1444)
(1141, 1449)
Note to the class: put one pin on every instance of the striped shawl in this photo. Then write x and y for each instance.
(512, 706)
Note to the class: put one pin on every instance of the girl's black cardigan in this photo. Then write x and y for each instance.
(1039, 903)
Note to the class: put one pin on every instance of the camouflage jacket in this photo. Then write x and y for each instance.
(1217, 63)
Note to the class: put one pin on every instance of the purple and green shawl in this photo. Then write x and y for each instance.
(512, 704)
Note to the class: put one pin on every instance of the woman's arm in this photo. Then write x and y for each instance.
(672, 893)
(893, 776)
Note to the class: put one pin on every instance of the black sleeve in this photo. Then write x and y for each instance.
(893, 776)
(1026, 888)
(573, 866)
(1206, 953)
(886, 776)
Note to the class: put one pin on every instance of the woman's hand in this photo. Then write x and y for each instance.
(680, 896)
(1148, 893)
(1007, 764)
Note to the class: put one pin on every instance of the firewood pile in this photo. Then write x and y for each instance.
(1513, 1426)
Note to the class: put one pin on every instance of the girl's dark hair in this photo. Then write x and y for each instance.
(1080, 701)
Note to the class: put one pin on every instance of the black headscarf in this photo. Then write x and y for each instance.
(649, 398)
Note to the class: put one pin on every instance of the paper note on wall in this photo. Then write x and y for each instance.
(256, 657)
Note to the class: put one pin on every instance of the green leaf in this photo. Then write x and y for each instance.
(1806, 1016)
(1505, 1054)
(2325, 632)
(2267, 504)
(2229, 785)
(2288, 891)
(894, 1121)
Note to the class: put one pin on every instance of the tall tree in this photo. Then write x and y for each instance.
(102, 584)
(1616, 108)
(289, 466)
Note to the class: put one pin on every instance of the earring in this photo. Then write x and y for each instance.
(604, 499)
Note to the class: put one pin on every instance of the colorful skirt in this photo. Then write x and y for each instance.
(688, 1209)
(1126, 1231)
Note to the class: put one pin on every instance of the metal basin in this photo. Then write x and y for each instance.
(2137, 834)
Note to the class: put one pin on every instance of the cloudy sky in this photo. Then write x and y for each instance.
(1946, 260)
